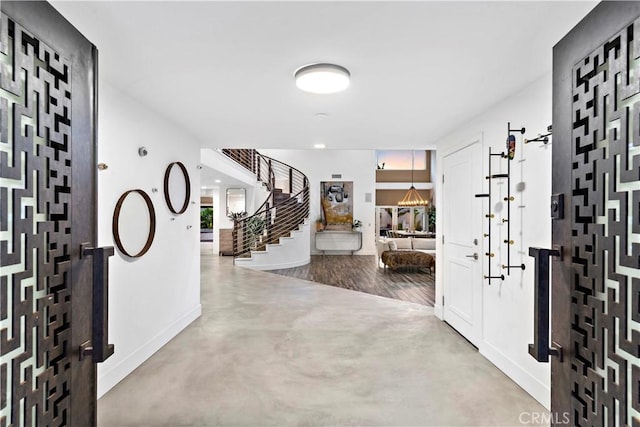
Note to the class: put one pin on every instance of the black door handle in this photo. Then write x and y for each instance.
(540, 349)
(99, 347)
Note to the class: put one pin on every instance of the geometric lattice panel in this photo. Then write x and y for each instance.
(35, 230)
(605, 215)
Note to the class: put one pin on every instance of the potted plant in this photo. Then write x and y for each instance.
(255, 226)
(236, 216)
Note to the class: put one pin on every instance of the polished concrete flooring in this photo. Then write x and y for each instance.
(279, 351)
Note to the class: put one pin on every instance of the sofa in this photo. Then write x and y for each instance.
(397, 245)
(406, 244)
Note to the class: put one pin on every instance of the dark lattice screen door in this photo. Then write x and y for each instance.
(596, 166)
(47, 207)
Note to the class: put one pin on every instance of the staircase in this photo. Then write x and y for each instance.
(277, 235)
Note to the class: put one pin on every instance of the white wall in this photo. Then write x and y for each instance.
(218, 214)
(508, 306)
(154, 297)
(358, 166)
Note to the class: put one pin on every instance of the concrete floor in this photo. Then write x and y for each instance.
(278, 351)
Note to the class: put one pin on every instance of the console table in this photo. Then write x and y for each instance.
(339, 241)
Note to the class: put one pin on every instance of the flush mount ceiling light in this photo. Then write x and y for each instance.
(319, 146)
(322, 78)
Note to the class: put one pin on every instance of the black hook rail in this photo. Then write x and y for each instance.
(508, 199)
(490, 216)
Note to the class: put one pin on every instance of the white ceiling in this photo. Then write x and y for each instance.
(223, 71)
(211, 179)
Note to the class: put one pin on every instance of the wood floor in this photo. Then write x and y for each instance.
(362, 273)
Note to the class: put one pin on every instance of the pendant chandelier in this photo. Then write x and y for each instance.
(412, 198)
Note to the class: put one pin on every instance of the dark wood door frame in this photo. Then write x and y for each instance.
(571, 391)
(65, 188)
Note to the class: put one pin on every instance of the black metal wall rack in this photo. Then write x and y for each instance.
(490, 216)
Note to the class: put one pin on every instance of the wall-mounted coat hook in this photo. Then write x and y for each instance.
(522, 130)
(544, 138)
(540, 138)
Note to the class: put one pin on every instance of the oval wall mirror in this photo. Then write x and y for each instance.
(134, 223)
(177, 187)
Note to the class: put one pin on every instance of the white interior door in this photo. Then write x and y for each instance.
(462, 221)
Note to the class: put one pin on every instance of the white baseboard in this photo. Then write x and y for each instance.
(532, 385)
(367, 253)
(437, 310)
(107, 379)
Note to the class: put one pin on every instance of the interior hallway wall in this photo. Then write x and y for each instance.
(358, 166)
(508, 306)
(154, 297)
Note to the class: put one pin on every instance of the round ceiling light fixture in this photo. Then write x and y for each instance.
(322, 78)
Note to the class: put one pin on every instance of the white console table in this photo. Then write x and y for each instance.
(339, 241)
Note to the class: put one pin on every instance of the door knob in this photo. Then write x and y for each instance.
(474, 256)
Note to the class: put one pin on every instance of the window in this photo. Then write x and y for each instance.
(401, 159)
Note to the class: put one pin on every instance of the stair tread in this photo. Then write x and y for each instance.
(268, 245)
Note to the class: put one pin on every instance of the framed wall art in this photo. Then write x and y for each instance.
(336, 202)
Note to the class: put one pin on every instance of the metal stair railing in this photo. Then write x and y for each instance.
(278, 215)
(254, 162)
